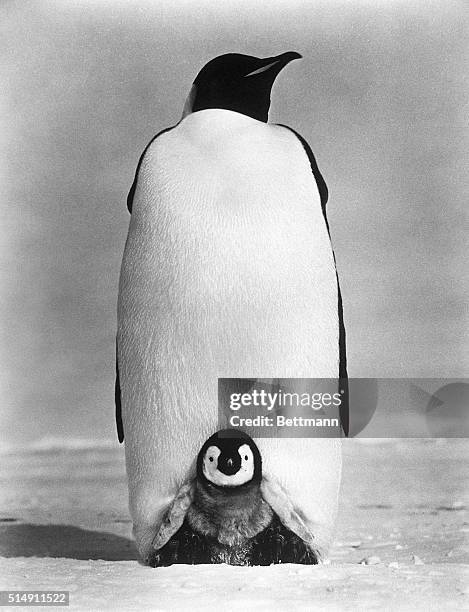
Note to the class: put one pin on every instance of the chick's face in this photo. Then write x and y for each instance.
(228, 467)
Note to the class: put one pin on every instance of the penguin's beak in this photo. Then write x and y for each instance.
(274, 65)
(228, 466)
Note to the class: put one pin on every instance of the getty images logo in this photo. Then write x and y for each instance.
(281, 399)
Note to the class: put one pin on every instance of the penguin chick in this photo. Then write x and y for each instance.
(228, 506)
(228, 520)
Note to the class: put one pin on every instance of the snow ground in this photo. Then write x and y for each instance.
(64, 525)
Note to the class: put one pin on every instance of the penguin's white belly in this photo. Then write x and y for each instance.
(228, 271)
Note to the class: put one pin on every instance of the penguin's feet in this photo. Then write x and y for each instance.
(186, 546)
(277, 544)
(231, 555)
(167, 555)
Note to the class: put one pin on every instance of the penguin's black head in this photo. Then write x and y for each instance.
(229, 458)
(239, 83)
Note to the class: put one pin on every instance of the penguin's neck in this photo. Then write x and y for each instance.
(230, 517)
(232, 498)
(212, 122)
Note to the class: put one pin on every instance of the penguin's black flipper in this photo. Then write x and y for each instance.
(320, 182)
(343, 376)
(117, 400)
(131, 194)
(186, 546)
(277, 544)
(324, 195)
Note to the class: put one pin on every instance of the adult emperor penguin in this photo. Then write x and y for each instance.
(228, 271)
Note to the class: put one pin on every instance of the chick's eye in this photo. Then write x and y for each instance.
(210, 458)
(245, 457)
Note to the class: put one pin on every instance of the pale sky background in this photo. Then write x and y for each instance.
(381, 96)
